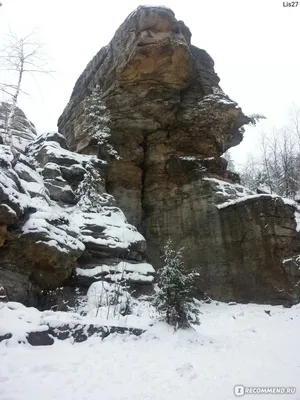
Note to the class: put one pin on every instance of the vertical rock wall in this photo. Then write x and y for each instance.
(150, 104)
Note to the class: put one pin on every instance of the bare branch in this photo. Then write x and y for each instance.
(5, 88)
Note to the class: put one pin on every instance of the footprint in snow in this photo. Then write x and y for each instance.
(186, 371)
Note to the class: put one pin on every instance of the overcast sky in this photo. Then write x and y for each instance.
(255, 45)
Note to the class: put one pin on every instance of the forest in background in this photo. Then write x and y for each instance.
(275, 166)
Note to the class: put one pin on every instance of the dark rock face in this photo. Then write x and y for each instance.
(259, 233)
(150, 104)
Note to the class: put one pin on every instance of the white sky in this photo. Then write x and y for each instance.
(255, 45)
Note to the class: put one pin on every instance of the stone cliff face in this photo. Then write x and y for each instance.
(158, 97)
(150, 104)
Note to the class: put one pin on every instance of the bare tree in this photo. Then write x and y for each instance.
(277, 167)
(295, 122)
(251, 173)
(266, 161)
(20, 56)
(289, 182)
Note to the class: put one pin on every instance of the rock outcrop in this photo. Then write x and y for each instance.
(28, 325)
(150, 105)
(146, 97)
(57, 224)
(23, 130)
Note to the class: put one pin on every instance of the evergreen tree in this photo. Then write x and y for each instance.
(90, 192)
(97, 124)
(175, 284)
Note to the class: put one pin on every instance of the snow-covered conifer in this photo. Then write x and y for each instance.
(175, 285)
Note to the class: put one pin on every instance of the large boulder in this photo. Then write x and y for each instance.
(150, 104)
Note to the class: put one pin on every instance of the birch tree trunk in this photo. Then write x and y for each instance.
(12, 112)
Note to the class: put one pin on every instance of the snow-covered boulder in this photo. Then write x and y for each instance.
(20, 324)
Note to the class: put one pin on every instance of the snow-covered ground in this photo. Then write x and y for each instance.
(250, 345)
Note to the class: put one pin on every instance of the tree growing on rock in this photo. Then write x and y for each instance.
(19, 57)
(90, 192)
(97, 124)
(175, 285)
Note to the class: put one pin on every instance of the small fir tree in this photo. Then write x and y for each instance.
(90, 192)
(97, 124)
(175, 284)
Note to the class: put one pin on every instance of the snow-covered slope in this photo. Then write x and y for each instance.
(250, 345)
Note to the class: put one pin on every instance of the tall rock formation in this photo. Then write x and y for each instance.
(157, 97)
(150, 104)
